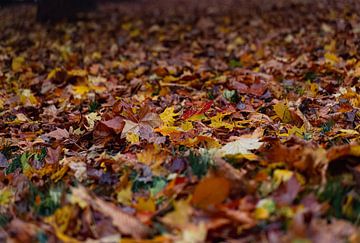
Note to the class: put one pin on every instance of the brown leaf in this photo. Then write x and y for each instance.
(125, 223)
(227, 171)
(20, 231)
(287, 191)
(116, 124)
(3, 161)
(58, 134)
(52, 155)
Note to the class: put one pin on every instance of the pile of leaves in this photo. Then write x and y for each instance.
(182, 121)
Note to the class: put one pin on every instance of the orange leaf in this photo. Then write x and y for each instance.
(211, 191)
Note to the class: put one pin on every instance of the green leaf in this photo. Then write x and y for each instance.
(231, 95)
(199, 163)
(235, 63)
(15, 164)
(158, 184)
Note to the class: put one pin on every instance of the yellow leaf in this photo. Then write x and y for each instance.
(28, 98)
(261, 213)
(282, 111)
(331, 46)
(355, 150)
(74, 199)
(167, 130)
(180, 216)
(217, 121)
(147, 205)
(77, 72)
(6, 196)
(186, 126)
(282, 176)
(299, 132)
(168, 116)
(331, 58)
(81, 89)
(125, 196)
(196, 117)
(132, 137)
(152, 155)
(169, 79)
(60, 221)
(205, 195)
(22, 118)
(264, 208)
(59, 174)
(53, 73)
(17, 63)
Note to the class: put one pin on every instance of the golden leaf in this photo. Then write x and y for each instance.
(217, 121)
(147, 205)
(168, 116)
(27, 97)
(282, 111)
(81, 89)
(152, 155)
(331, 58)
(17, 63)
(124, 196)
(180, 216)
(132, 137)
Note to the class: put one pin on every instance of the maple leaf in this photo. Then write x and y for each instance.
(152, 155)
(168, 116)
(58, 134)
(91, 119)
(217, 121)
(144, 127)
(282, 111)
(241, 146)
(116, 124)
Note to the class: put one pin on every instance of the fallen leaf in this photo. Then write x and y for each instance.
(241, 146)
(17, 63)
(126, 224)
(282, 111)
(205, 195)
(168, 116)
(116, 124)
(58, 134)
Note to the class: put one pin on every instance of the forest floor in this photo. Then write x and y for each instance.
(182, 121)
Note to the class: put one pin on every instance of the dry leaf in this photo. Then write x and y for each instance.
(126, 224)
(211, 191)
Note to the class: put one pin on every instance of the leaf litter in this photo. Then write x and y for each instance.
(204, 122)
